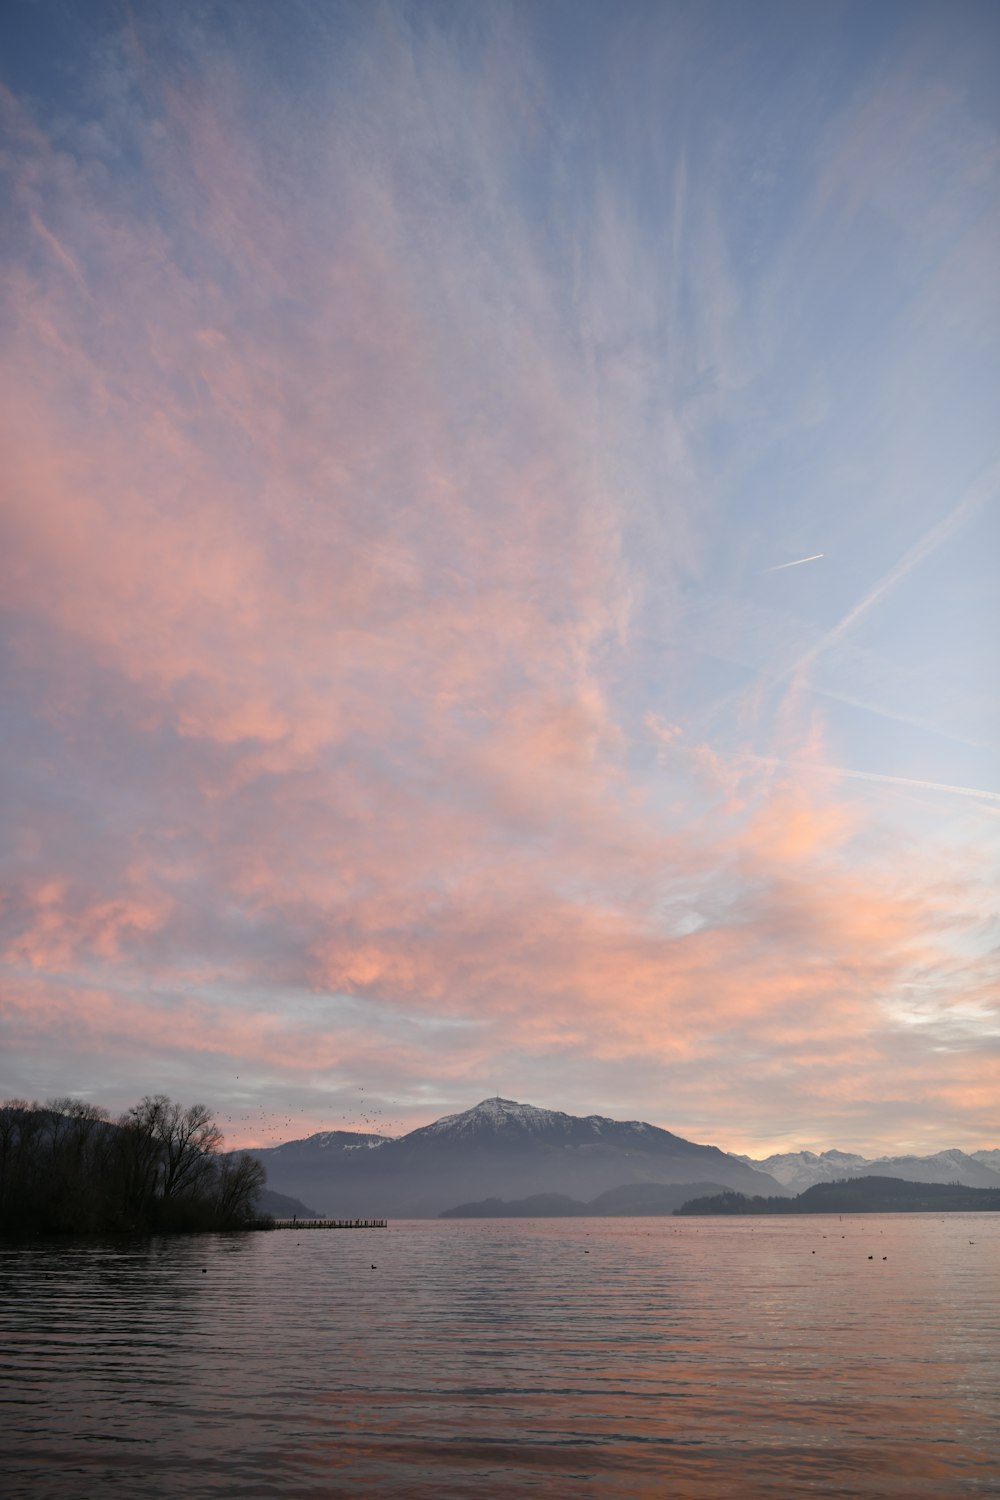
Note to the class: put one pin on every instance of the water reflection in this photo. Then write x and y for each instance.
(643, 1357)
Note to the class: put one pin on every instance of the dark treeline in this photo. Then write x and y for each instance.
(67, 1168)
(858, 1195)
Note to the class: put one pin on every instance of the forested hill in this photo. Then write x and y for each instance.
(67, 1168)
(857, 1195)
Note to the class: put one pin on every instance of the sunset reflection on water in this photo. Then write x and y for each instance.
(567, 1358)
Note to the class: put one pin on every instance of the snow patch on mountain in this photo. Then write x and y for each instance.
(799, 1170)
(507, 1117)
(496, 1115)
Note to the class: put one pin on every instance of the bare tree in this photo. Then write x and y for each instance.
(77, 1160)
(66, 1168)
(21, 1126)
(137, 1161)
(240, 1179)
(188, 1141)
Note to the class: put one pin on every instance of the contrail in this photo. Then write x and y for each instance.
(975, 497)
(799, 560)
(980, 793)
(59, 250)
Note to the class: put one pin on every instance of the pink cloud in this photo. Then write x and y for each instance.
(336, 594)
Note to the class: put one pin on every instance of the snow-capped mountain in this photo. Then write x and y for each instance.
(505, 1149)
(799, 1170)
(330, 1141)
(498, 1148)
(498, 1117)
(507, 1120)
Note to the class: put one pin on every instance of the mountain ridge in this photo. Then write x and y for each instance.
(507, 1150)
(501, 1148)
(799, 1170)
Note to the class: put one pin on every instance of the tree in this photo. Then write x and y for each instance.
(175, 1147)
(239, 1181)
(66, 1168)
(136, 1154)
(22, 1145)
(77, 1163)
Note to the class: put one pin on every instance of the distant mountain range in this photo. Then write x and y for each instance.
(799, 1170)
(506, 1151)
(501, 1149)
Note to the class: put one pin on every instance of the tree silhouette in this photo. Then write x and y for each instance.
(66, 1168)
(184, 1142)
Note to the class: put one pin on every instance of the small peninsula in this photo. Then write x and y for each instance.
(857, 1195)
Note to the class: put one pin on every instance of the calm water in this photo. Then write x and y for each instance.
(644, 1357)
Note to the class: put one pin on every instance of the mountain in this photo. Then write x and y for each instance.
(859, 1195)
(499, 1148)
(634, 1199)
(799, 1170)
(324, 1145)
(944, 1166)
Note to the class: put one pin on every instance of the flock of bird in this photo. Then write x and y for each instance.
(260, 1126)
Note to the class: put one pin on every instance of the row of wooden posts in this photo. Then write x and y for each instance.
(329, 1223)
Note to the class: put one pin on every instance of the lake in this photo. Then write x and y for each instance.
(630, 1357)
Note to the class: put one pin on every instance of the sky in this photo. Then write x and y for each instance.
(500, 541)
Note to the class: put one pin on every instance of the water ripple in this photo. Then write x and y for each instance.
(619, 1358)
